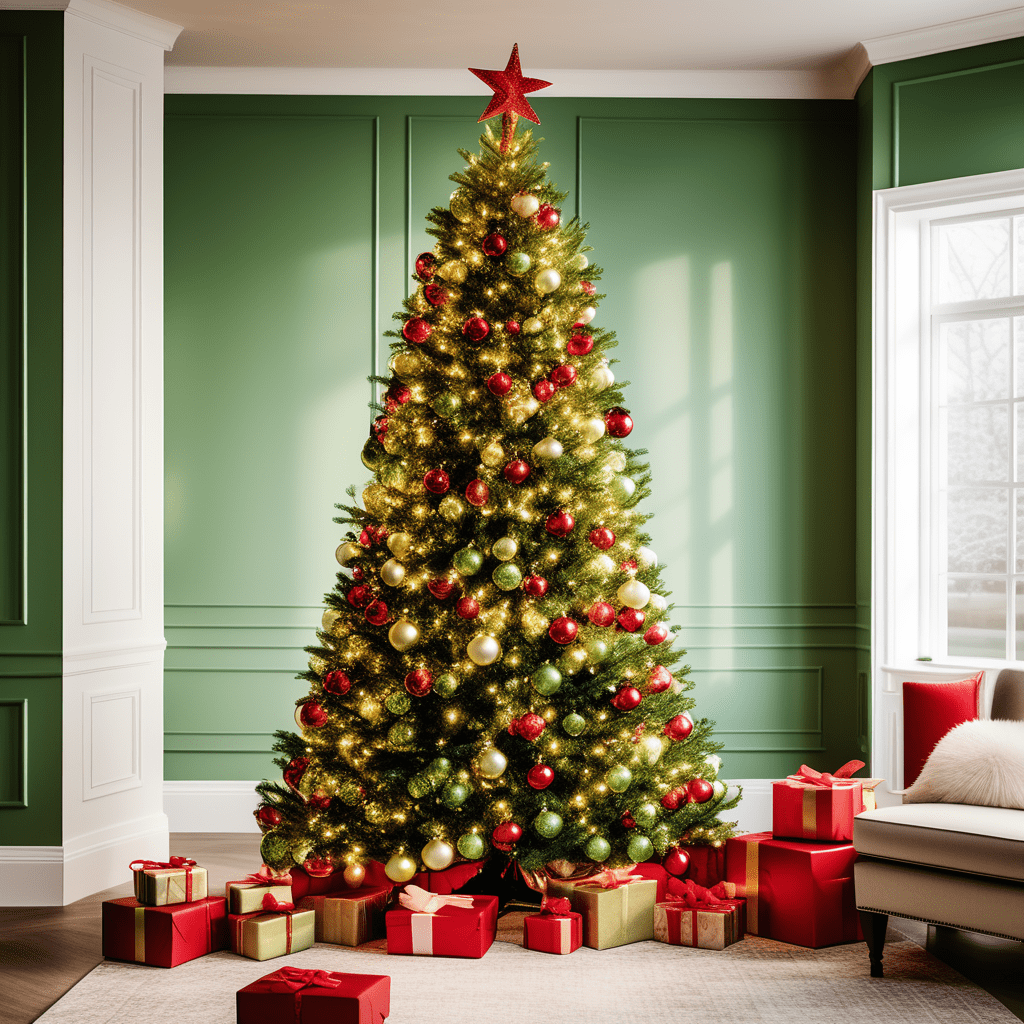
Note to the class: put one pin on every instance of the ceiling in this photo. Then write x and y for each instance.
(649, 35)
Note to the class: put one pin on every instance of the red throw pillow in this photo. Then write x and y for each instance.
(930, 710)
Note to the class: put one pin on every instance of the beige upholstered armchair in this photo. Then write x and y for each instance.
(957, 865)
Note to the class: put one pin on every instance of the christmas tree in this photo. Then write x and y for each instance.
(495, 674)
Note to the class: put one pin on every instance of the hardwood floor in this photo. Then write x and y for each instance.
(45, 951)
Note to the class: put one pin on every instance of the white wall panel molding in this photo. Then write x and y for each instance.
(111, 741)
(31, 876)
(95, 657)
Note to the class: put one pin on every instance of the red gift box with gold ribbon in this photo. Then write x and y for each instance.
(817, 805)
(796, 891)
(163, 936)
(556, 929)
(295, 996)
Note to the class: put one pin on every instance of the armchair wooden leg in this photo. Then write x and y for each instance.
(874, 927)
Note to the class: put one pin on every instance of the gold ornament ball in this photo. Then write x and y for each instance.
(474, 257)
(505, 549)
(392, 572)
(533, 325)
(586, 453)
(652, 748)
(354, 875)
(329, 618)
(454, 271)
(461, 206)
(548, 448)
(437, 855)
(400, 868)
(399, 544)
(483, 649)
(581, 261)
(491, 763)
(593, 429)
(317, 664)
(406, 364)
(492, 455)
(452, 508)
(348, 552)
(616, 461)
(403, 635)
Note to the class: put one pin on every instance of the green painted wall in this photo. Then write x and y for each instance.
(31, 154)
(727, 232)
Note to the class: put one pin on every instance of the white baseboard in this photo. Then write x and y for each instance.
(213, 806)
(31, 876)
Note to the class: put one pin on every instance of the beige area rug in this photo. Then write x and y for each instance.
(752, 981)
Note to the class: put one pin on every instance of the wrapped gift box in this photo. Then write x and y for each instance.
(868, 787)
(451, 931)
(159, 884)
(707, 864)
(262, 936)
(696, 916)
(295, 996)
(614, 912)
(246, 896)
(164, 936)
(556, 929)
(796, 891)
(655, 873)
(802, 811)
(350, 918)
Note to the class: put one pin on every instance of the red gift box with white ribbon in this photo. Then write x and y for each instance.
(429, 924)
(556, 929)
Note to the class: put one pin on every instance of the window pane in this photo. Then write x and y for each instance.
(1018, 349)
(977, 359)
(974, 260)
(1019, 623)
(1019, 271)
(976, 530)
(977, 444)
(977, 618)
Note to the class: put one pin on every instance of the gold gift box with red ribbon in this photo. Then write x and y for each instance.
(617, 906)
(276, 930)
(699, 917)
(245, 895)
(349, 918)
(163, 883)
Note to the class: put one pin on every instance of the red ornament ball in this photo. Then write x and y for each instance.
(513, 327)
(626, 698)
(319, 801)
(441, 587)
(543, 390)
(676, 861)
(659, 680)
(627, 820)
(529, 726)
(602, 538)
(396, 395)
(507, 833)
(435, 294)
(467, 608)
(295, 770)
(477, 492)
(631, 619)
(269, 816)
(563, 630)
(476, 328)
(494, 244)
(618, 421)
(678, 728)
(366, 538)
(376, 613)
(517, 471)
(499, 383)
(656, 634)
(420, 682)
(700, 790)
(426, 263)
(672, 800)
(380, 427)
(416, 331)
(360, 596)
(579, 344)
(588, 288)
(357, 573)
(535, 586)
(601, 613)
(436, 481)
(560, 523)
(337, 683)
(317, 867)
(628, 566)
(540, 776)
(547, 217)
(563, 375)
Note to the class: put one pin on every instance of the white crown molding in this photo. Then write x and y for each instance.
(812, 85)
(109, 15)
(852, 70)
(951, 35)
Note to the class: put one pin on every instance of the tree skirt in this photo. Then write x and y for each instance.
(755, 980)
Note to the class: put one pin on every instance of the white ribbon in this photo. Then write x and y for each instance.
(565, 935)
(420, 901)
(422, 934)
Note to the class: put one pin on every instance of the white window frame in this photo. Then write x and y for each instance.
(906, 623)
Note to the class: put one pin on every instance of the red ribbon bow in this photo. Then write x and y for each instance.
(264, 877)
(824, 780)
(697, 897)
(559, 906)
(610, 878)
(174, 862)
(296, 978)
(275, 906)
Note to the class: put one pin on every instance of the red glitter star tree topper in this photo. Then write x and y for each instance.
(509, 97)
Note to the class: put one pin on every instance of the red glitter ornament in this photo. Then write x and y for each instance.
(360, 596)
(626, 698)
(659, 680)
(317, 867)
(627, 820)
(419, 682)
(435, 294)
(319, 801)
(513, 327)
(377, 613)
(499, 383)
(357, 573)
(367, 539)
(416, 331)
(543, 390)
(477, 492)
(508, 833)
(618, 421)
(631, 619)
(441, 587)
(656, 634)
(426, 264)
(494, 244)
(476, 328)
(397, 394)
(535, 586)
(467, 608)
(560, 523)
(674, 798)
(529, 726)
(563, 630)
(676, 861)
(271, 816)
(579, 344)
(380, 427)
(516, 471)
(540, 776)
(436, 481)
(547, 217)
(629, 566)
(602, 538)
(678, 728)
(700, 790)
(312, 715)
(588, 288)
(296, 769)
(563, 375)
(337, 682)
(601, 614)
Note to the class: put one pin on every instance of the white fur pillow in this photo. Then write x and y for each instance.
(979, 762)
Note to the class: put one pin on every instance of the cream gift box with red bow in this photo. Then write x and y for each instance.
(164, 883)
(429, 924)
(275, 930)
(245, 896)
(617, 906)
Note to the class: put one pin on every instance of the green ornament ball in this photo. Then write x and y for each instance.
(622, 489)
(418, 787)
(445, 685)
(275, 851)
(300, 854)
(398, 703)
(401, 734)
(598, 849)
(548, 824)
(597, 650)
(439, 769)
(547, 680)
(639, 849)
(454, 795)
(372, 454)
(471, 846)
(518, 263)
(452, 507)
(574, 724)
(645, 815)
(446, 404)
(619, 777)
(507, 576)
(467, 561)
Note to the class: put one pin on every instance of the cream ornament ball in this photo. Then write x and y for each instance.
(646, 558)
(549, 448)
(658, 603)
(504, 549)
(652, 748)
(348, 552)
(329, 618)
(547, 281)
(617, 461)
(392, 572)
(593, 429)
(403, 635)
(491, 763)
(483, 649)
(586, 315)
(633, 594)
(602, 564)
(525, 205)
(602, 378)
(437, 855)
(399, 544)
(581, 262)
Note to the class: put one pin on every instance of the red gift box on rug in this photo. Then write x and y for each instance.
(655, 873)
(796, 891)
(442, 925)
(817, 805)
(164, 936)
(700, 917)
(707, 864)
(556, 929)
(295, 996)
